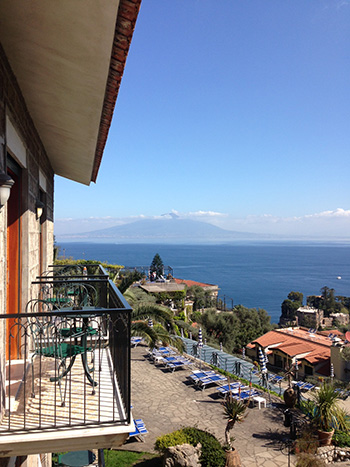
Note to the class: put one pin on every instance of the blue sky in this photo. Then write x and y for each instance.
(235, 112)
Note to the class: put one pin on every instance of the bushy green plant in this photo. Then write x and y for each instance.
(212, 455)
(170, 439)
(327, 413)
(341, 439)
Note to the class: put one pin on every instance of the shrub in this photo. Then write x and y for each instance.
(213, 454)
(341, 439)
(171, 439)
(308, 460)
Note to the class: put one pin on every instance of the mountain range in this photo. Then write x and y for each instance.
(162, 231)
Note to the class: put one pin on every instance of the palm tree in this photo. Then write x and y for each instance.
(162, 329)
(234, 411)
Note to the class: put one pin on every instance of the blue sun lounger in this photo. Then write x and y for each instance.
(181, 363)
(212, 379)
(135, 340)
(223, 390)
(245, 395)
(342, 393)
(276, 379)
(307, 387)
(140, 430)
(197, 374)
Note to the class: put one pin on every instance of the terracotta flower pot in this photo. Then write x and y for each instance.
(325, 437)
(290, 397)
(232, 458)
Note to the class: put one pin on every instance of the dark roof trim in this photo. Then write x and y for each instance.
(126, 20)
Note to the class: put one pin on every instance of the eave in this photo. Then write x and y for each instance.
(68, 63)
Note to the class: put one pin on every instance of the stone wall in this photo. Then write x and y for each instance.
(37, 182)
(331, 454)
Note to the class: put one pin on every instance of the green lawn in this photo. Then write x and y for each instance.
(129, 458)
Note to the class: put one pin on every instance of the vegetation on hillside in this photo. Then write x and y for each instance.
(235, 329)
(326, 301)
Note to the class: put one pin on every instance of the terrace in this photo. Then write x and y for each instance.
(67, 381)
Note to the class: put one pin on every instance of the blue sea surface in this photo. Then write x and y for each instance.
(254, 275)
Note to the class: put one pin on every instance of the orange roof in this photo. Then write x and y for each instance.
(297, 342)
(292, 348)
(190, 283)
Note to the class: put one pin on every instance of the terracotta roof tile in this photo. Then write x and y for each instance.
(293, 343)
(190, 283)
(126, 20)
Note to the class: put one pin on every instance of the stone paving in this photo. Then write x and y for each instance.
(166, 402)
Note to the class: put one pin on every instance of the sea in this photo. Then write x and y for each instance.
(254, 275)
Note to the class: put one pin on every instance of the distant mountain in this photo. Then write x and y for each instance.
(163, 231)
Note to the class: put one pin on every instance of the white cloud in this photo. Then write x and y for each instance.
(196, 214)
(340, 213)
(335, 223)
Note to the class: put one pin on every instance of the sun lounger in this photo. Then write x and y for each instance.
(158, 355)
(246, 395)
(140, 430)
(307, 387)
(342, 393)
(197, 374)
(135, 340)
(299, 384)
(277, 379)
(178, 364)
(225, 389)
(166, 350)
(212, 379)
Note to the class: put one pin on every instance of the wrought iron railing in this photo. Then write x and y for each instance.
(68, 356)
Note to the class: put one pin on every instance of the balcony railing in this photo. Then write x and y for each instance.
(67, 356)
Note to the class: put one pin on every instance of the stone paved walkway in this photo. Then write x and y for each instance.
(166, 402)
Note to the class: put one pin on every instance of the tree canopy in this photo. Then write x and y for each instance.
(237, 328)
(157, 267)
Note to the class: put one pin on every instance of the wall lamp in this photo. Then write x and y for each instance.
(39, 208)
(6, 184)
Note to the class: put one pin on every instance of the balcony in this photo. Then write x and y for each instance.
(67, 380)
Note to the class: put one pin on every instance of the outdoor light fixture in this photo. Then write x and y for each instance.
(39, 209)
(6, 183)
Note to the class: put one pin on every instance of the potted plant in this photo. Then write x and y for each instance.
(234, 411)
(327, 414)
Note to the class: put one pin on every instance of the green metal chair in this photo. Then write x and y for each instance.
(59, 339)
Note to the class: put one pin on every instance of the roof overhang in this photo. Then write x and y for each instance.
(68, 58)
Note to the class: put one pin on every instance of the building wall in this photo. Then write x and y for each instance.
(340, 365)
(20, 140)
(308, 318)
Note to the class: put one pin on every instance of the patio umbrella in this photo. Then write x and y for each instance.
(263, 369)
(200, 345)
(221, 346)
(262, 361)
(150, 323)
(243, 352)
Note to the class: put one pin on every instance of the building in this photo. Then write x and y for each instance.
(60, 70)
(309, 317)
(213, 289)
(284, 346)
